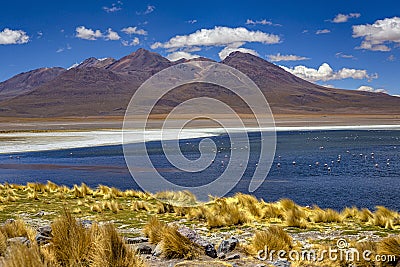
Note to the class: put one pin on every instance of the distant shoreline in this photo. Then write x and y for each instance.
(14, 124)
(34, 141)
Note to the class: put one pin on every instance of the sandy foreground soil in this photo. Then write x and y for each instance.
(281, 120)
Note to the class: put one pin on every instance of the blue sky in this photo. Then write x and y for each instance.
(339, 43)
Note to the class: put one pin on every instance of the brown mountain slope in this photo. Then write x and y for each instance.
(27, 81)
(287, 93)
(76, 92)
(106, 90)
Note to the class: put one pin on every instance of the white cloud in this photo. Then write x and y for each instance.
(134, 42)
(114, 7)
(341, 18)
(62, 49)
(324, 31)
(181, 54)
(230, 38)
(112, 35)
(8, 36)
(391, 58)
(342, 55)
(192, 21)
(326, 73)
(88, 34)
(219, 36)
(396, 95)
(376, 36)
(134, 30)
(278, 57)
(229, 49)
(261, 22)
(148, 10)
(371, 89)
(188, 49)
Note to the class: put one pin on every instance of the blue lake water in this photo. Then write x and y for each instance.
(367, 175)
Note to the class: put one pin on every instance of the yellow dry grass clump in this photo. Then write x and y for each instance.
(173, 244)
(366, 246)
(177, 246)
(110, 250)
(154, 230)
(22, 255)
(274, 238)
(384, 217)
(225, 212)
(17, 228)
(390, 246)
(72, 245)
(71, 242)
(3, 243)
(325, 216)
(180, 198)
(139, 205)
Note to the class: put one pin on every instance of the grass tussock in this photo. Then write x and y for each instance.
(350, 213)
(137, 194)
(96, 208)
(274, 238)
(71, 242)
(177, 246)
(325, 216)
(81, 191)
(384, 217)
(390, 246)
(163, 208)
(225, 212)
(109, 250)
(3, 244)
(16, 228)
(179, 198)
(173, 244)
(364, 246)
(112, 205)
(21, 255)
(365, 215)
(154, 230)
(271, 211)
(287, 204)
(140, 205)
(295, 217)
(249, 203)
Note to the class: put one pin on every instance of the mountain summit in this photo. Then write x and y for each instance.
(140, 61)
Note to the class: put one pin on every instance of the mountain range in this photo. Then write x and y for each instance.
(104, 87)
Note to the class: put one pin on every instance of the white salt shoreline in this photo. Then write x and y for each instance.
(29, 141)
